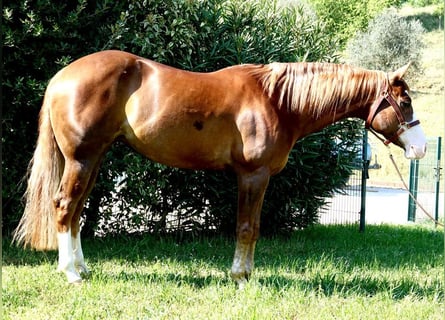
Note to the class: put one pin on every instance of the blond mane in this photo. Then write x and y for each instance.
(319, 87)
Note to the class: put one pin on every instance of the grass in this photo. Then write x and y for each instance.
(325, 272)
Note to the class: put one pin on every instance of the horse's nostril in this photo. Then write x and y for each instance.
(418, 151)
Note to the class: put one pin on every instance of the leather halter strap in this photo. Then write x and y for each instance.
(403, 124)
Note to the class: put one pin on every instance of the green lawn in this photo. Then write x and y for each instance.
(325, 272)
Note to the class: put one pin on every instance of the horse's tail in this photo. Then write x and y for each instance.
(37, 227)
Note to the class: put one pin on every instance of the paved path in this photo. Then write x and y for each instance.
(383, 205)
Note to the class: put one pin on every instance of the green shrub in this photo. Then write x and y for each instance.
(344, 18)
(197, 35)
(39, 37)
(389, 42)
(171, 200)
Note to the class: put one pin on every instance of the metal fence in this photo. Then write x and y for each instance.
(348, 206)
(425, 183)
(345, 206)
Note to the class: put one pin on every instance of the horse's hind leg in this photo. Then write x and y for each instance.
(68, 202)
(79, 261)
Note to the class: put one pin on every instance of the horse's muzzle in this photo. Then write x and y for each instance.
(415, 151)
(414, 141)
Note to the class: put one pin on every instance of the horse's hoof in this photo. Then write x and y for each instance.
(240, 279)
(76, 283)
(73, 277)
(242, 284)
(84, 272)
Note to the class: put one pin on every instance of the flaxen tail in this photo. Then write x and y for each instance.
(37, 225)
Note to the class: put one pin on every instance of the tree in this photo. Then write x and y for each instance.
(345, 18)
(389, 42)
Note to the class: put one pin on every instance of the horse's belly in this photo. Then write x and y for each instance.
(192, 144)
(187, 155)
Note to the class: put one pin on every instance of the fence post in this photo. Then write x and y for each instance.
(364, 176)
(413, 184)
(437, 176)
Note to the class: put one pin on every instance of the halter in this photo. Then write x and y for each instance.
(403, 124)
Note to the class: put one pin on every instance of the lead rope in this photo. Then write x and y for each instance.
(410, 194)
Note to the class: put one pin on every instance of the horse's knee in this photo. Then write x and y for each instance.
(245, 232)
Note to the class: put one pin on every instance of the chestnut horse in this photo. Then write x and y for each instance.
(244, 117)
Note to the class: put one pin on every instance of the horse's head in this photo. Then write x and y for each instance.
(392, 116)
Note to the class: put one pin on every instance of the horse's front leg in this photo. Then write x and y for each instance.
(251, 189)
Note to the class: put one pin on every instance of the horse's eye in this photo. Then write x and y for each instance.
(405, 104)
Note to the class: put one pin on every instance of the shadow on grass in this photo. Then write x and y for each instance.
(17, 256)
(192, 280)
(353, 257)
(359, 286)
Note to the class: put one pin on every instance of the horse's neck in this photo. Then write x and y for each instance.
(336, 93)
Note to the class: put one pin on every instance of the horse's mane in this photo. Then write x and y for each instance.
(322, 87)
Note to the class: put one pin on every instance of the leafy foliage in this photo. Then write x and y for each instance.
(41, 37)
(389, 42)
(345, 17)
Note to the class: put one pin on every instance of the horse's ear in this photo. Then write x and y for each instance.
(399, 73)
